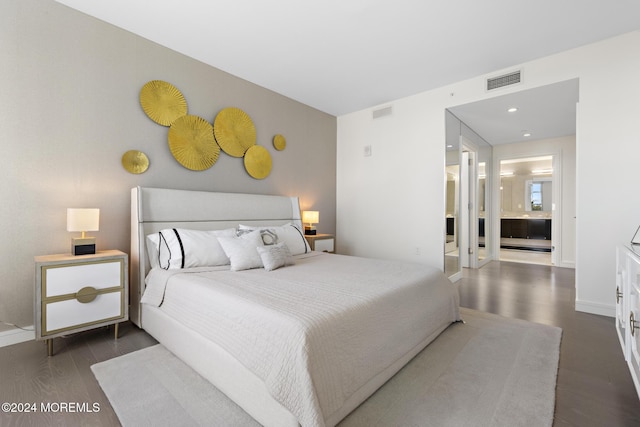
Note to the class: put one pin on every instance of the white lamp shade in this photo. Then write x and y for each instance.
(310, 217)
(83, 219)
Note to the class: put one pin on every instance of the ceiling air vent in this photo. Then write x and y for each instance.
(381, 112)
(504, 80)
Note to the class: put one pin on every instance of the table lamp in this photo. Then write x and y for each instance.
(83, 220)
(310, 217)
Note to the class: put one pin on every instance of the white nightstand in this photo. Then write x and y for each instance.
(322, 242)
(77, 293)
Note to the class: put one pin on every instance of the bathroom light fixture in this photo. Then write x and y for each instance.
(541, 171)
(310, 217)
(83, 220)
(512, 110)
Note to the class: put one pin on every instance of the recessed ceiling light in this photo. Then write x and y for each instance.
(449, 146)
(512, 110)
(526, 134)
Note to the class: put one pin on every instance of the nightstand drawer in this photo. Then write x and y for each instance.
(324, 245)
(69, 279)
(72, 313)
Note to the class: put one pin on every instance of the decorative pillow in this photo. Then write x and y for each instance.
(288, 233)
(275, 256)
(242, 250)
(183, 248)
(269, 237)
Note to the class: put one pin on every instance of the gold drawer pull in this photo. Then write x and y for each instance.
(618, 295)
(633, 324)
(86, 295)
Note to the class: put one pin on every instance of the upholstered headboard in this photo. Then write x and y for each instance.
(154, 209)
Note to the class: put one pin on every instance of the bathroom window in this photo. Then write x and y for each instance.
(536, 196)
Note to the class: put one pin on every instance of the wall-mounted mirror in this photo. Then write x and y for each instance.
(526, 186)
(452, 195)
(462, 237)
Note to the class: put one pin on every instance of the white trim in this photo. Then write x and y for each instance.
(455, 277)
(565, 264)
(596, 308)
(16, 336)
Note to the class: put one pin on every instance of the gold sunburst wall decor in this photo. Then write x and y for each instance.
(196, 143)
(192, 143)
(162, 102)
(234, 131)
(135, 161)
(279, 142)
(257, 162)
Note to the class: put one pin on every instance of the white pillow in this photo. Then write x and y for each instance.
(152, 249)
(183, 248)
(288, 233)
(242, 250)
(275, 256)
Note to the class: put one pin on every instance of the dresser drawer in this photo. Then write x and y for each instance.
(71, 313)
(69, 279)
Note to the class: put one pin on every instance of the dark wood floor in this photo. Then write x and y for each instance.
(594, 385)
(27, 375)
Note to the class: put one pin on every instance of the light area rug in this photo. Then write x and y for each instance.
(488, 371)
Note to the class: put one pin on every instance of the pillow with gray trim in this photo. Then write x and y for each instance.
(275, 256)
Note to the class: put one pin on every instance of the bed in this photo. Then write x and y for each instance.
(302, 344)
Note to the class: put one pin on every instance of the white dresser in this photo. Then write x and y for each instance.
(76, 293)
(628, 307)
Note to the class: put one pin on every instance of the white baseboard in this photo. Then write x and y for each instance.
(596, 308)
(566, 264)
(15, 336)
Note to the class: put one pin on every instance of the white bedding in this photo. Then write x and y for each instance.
(314, 332)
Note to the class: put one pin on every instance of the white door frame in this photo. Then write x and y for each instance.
(468, 227)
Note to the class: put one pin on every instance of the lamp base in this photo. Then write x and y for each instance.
(309, 230)
(83, 246)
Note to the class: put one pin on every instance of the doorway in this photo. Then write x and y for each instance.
(535, 122)
(527, 207)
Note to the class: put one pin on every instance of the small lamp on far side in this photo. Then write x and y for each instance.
(83, 220)
(310, 217)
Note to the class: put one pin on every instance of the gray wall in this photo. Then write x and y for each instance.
(69, 88)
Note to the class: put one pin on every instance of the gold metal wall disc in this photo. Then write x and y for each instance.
(135, 161)
(192, 144)
(257, 162)
(234, 131)
(279, 142)
(162, 102)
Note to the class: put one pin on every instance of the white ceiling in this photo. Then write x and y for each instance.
(544, 112)
(340, 56)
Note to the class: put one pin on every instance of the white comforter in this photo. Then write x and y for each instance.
(314, 332)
